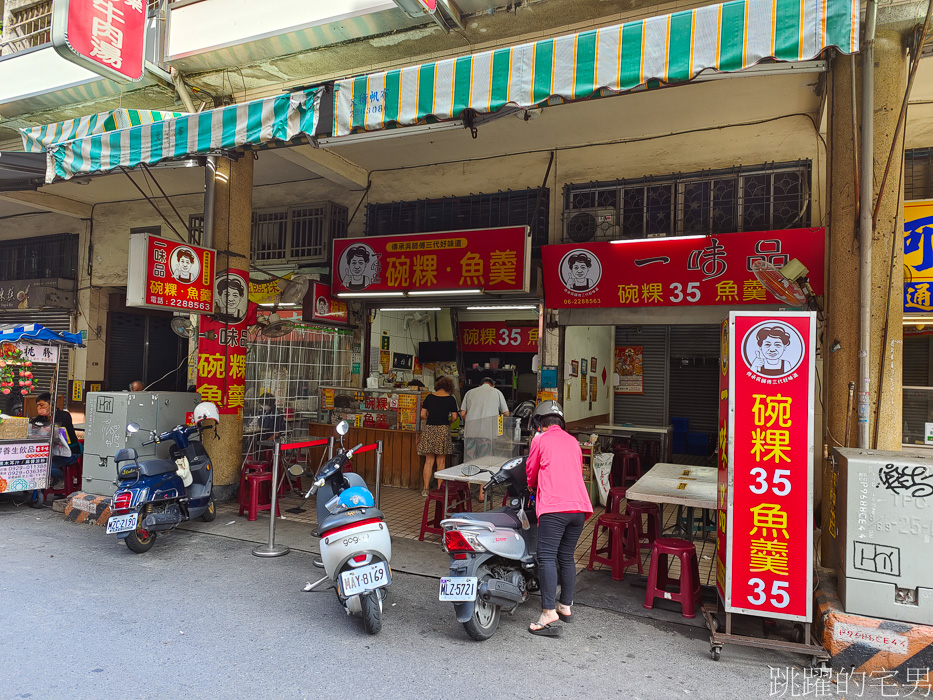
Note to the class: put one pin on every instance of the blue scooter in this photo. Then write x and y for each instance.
(156, 495)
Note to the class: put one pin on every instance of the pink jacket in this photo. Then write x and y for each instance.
(555, 468)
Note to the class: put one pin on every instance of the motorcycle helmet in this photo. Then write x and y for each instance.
(544, 409)
(357, 497)
(206, 411)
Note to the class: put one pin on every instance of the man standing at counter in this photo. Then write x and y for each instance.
(480, 413)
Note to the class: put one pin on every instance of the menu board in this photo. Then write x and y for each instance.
(24, 466)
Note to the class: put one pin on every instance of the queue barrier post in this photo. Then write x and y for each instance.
(270, 549)
(378, 471)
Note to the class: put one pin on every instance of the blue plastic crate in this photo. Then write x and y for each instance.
(681, 425)
(697, 443)
(679, 444)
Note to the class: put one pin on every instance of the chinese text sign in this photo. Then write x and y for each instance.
(323, 306)
(769, 528)
(105, 36)
(492, 260)
(722, 481)
(24, 466)
(918, 257)
(629, 361)
(679, 271)
(170, 275)
(498, 336)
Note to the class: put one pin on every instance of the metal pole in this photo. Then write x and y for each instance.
(272, 549)
(330, 448)
(378, 470)
(866, 186)
(210, 196)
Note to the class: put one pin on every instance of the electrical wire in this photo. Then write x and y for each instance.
(188, 359)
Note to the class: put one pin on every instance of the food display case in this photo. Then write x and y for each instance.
(386, 409)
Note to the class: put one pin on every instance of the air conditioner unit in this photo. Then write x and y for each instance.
(588, 225)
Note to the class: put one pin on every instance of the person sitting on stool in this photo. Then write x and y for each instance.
(62, 419)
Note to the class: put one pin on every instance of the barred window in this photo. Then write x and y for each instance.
(40, 257)
(760, 198)
(918, 168)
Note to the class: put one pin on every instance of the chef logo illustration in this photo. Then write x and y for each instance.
(772, 349)
(184, 265)
(359, 267)
(580, 271)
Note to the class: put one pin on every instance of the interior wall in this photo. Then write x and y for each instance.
(581, 345)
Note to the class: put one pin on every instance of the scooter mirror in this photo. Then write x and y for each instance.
(343, 428)
(132, 428)
(296, 470)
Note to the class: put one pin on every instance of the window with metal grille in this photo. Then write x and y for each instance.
(456, 213)
(40, 257)
(299, 234)
(918, 173)
(29, 27)
(760, 198)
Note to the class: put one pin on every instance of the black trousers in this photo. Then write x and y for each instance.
(557, 538)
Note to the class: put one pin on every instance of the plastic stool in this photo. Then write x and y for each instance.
(73, 473)
(647, 534)
(455, 500)
(249, 498)
(688, 594)
(614, 501)
(622, 547)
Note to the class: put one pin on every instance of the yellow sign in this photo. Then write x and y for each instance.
(94, 387)
(77, 390)
(918, 256)
(266, 292)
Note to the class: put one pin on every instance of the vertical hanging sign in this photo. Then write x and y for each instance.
(722, 489)
(105, 36)
(769, 488)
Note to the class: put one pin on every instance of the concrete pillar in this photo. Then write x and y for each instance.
(232, 226)
(841, 300)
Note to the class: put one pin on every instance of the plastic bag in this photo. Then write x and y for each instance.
(602, 471)
(60, 444)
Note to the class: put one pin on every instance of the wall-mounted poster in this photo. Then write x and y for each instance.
(584, 389)
(629, 369)
(583, 366)
(574, 368)
(593, 387)
(593, 365)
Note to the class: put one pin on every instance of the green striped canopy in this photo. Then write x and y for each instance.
(671, 49)
(37, 139)
(279, 118)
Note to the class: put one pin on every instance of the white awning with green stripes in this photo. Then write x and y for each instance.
(280, 118)
(670, 49)
(37, 139)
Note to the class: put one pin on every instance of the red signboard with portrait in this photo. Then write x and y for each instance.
(769, 489)
(105, 36)
(679, 271)
(322, 307)
(170, 275)
(497, 336)
(222, 345)
(492, 260)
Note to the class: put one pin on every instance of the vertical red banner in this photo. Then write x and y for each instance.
(769, 540)
(722, 491)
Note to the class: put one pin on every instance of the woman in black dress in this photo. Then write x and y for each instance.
(437, 410)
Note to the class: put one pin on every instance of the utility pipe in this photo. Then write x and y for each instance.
(210, 196)
(182, 90)
(866, 186)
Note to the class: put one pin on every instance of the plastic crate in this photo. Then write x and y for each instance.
(681, 425)
(697, 443)
(679, 443)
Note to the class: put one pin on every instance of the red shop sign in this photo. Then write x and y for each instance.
(769, 482)
(167, 274)
(679, 271)
(105, 36)
(497, 336)
(321, 306)
(492, 260)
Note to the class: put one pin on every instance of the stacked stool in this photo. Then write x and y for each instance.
(688, 595)
(615, 499)
(622, 548)
(458, 498)
(649, 530)
(253, 483)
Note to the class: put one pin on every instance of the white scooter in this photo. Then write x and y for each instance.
(356, 549)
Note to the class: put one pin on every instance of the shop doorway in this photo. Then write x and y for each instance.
(143, 346)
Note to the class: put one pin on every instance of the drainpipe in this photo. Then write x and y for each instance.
(182, 90)
(866, 186)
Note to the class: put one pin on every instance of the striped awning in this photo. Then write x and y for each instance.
(279, 118)
(671, 49)
(37, 139)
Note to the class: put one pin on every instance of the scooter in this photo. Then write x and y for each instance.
(492, 555)
(156, 495)
(356, 549)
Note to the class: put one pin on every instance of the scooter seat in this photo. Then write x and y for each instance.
(500, 517)
(154, 467)
(351, 517)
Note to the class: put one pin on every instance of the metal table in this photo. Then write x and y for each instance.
(682, 485)
(663, 433)
(455, 473)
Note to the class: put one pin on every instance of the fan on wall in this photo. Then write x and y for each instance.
(184, 328)
(787, 284)
(292, 294)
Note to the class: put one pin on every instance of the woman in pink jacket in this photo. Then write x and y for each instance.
(555, 469)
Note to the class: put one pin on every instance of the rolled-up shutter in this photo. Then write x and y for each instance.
(649, 408)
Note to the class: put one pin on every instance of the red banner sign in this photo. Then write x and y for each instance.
(105, 36)
(170, 275)
(769, 528)
(222, 345)
(680, 271)
(321, 306)
(491, 260)
(497, 336)
(722, 462)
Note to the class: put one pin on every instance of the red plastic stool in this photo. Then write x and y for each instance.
(73, 473)
(614, 502)
(688, 594)
(455, 501)
(631, 467)
(253, 485)
(622, 547)
(647, 534)
(250, 466)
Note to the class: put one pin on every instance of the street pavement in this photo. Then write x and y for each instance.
(200, 617)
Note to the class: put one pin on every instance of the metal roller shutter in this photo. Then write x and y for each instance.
(57, 320)
(694, 378)
(649, 408)
(916, 404)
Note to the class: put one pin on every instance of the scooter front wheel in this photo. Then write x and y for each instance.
(140, 541)
(371, 603)
(210, 513)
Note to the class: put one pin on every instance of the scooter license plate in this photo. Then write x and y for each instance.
(122, 523)
(366, 578)
(458, 588)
